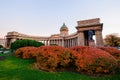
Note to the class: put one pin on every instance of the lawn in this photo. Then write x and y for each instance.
(13, 68)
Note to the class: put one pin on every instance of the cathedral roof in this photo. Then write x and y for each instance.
(63, 27)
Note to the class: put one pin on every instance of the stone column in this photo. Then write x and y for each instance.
(44, 42)
(81, 39)
(99, 38)
(47, 42)
(72, 42)
(68, 43)
(58, 42)
(65, 43)
(62, 42)
(76, 41)
(50, 42)
(53, 41)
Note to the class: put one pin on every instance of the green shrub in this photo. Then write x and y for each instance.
(25, 42)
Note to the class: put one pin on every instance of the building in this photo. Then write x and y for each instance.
(2, 42)
(79, 38)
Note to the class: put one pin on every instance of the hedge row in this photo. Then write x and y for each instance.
(79, 59)
(25, 42)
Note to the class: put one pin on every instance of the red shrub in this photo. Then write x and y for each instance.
(80, 58)
(26, 52)
(51, 58)
(113, 51)
(93, 60)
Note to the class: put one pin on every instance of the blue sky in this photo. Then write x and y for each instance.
(45, 17)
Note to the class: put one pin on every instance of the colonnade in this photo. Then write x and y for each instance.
(71, 42)
(64, 42)
(48, 42)
(75, 40)
(61, 42)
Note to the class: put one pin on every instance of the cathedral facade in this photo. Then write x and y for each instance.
(79, 38)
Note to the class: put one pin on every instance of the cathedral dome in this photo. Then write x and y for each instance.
(63, 27)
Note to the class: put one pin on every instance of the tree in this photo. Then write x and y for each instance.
(25, 42)
(112, 40)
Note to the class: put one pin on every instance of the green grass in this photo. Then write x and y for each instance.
(13, 68)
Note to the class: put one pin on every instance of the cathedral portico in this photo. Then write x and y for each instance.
(94, 25)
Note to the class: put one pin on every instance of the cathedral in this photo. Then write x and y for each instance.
(85, 30)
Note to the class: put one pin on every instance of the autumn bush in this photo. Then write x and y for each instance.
(114, 52)
(52, 58)
(111, 50)
(92, 60)
(79, 59)
(26, 52)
